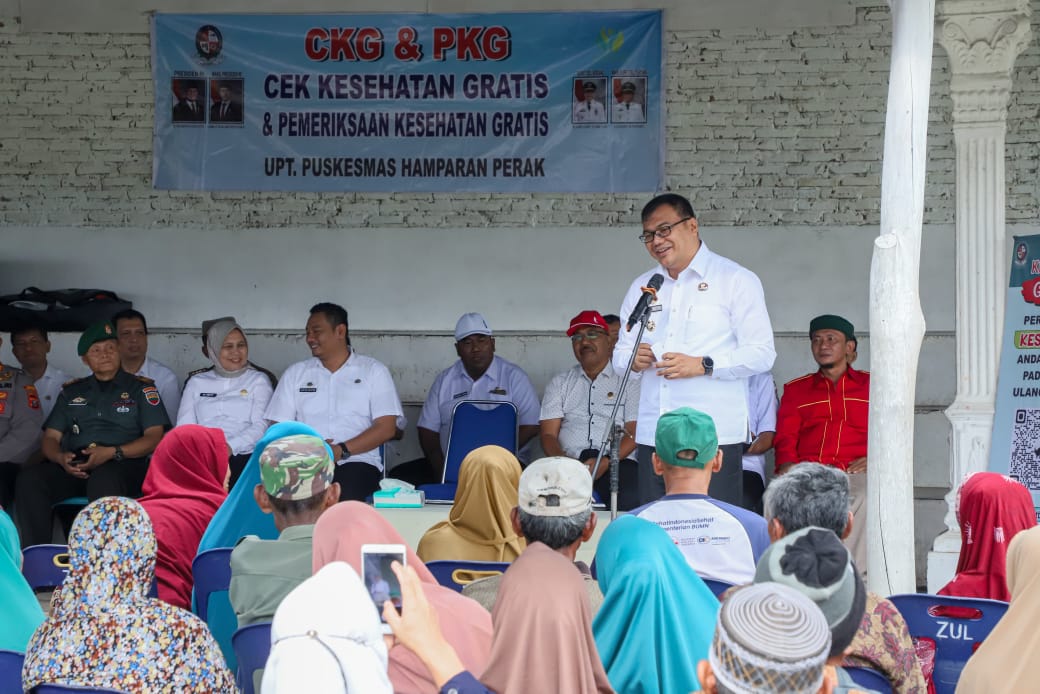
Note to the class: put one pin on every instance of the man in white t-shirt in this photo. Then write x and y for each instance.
(348, 398)
(478, 375)
(720, 541)
(132, 338)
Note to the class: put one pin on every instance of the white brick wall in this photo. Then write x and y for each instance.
(764, 127)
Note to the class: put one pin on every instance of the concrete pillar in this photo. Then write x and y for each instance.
(982, 40)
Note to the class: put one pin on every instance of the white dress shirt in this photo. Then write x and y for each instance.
(762, 406)
(234, 405)
(589, 112)
(628, 113)
(167, 384)
(49, 385)
(715, 308)
(585, 405)
(338, 405)
(503, 381)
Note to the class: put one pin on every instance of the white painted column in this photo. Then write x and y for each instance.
(982, 40)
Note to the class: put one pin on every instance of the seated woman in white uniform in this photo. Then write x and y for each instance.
(231, 395)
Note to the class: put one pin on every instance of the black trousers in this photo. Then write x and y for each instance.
(628, 486)
(357, 481)
(237, 463)
(8, 476)
(41, 485)
(754, 488)
(726, 485)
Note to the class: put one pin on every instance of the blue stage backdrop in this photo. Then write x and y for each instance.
(562, 102)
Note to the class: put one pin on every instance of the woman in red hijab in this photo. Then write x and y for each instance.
(185, 485)
(991, 510)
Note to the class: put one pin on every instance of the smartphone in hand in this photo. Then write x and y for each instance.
(379, 578)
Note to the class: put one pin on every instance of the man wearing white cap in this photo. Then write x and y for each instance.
(478, 375)
(554, 508)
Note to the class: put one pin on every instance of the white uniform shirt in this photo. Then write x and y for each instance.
(762, 408)
(628, 113)
(166, 383)
(503, 381)
(716, 308)
(585, 406)
(49, 385)
(589, 112)
(234, 405)
(338, 405)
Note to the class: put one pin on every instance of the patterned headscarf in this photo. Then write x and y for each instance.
(104, 632)
(769, 638)
(296, 467)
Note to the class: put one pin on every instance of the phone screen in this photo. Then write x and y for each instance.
(380, 580)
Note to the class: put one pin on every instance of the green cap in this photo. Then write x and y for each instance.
(296, 467)
(829, 322)
(99, 332)
(686, 431)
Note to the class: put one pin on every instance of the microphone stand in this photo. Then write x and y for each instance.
(613, 432)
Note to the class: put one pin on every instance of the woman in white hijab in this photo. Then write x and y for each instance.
(231, 395)
(326, 638)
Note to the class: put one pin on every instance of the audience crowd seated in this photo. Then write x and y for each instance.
(296, 487)
(991, 510)
(339, 535)
(653, 602)
(105, 632)
(230, 395)
(334, 646)
(816, 495)
(554, 507)
(478, 527)
(185, 485)
(22, 612)
(1005, 660)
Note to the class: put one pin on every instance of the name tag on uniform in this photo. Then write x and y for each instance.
(498, 391)
(656, 307)
(460, 395)
(207, 395)
(308, 390)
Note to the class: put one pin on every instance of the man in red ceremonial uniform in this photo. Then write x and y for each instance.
(823, 419)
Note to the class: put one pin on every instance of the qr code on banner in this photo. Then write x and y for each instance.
(1025, 448)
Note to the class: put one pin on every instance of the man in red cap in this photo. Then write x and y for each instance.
(578, 402)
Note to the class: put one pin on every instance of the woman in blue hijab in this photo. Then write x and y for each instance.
(21, 608)
(658, 617)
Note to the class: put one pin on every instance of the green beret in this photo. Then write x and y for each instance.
(95, 333)
(829, 322)
(686, 429)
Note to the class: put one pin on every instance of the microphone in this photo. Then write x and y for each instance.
(649, 294)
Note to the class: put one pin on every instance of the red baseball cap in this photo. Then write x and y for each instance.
(587, 319)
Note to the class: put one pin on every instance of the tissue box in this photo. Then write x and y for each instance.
(399, 498)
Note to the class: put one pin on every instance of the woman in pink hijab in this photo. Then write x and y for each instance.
(339, 535)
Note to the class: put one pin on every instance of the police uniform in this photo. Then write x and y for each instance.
(20, 418)
(89, 411)
(233, 405)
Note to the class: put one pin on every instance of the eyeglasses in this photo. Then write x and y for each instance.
(662, 231)
(591, 336)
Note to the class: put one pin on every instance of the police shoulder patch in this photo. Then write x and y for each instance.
(145, 380)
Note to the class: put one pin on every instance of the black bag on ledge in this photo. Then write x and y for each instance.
(59, 310)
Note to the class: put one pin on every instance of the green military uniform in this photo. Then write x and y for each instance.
(106, 413)
(89, 411)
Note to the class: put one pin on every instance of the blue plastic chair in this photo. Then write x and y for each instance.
(11, 671)
(956, 627)
(869, 678)
(457, 574)
(717, 587)
(45, 566)
(211, 572)
(474, 423)
(252, 645)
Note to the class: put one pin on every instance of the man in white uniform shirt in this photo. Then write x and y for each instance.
(30, 346)
(578, 404)
(132, 337)
(628, 110)
(590, 109)
(348, 398)
(478, 375)
(709, 330)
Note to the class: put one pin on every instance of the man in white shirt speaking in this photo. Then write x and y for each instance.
(708, 331)
(348, 398)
